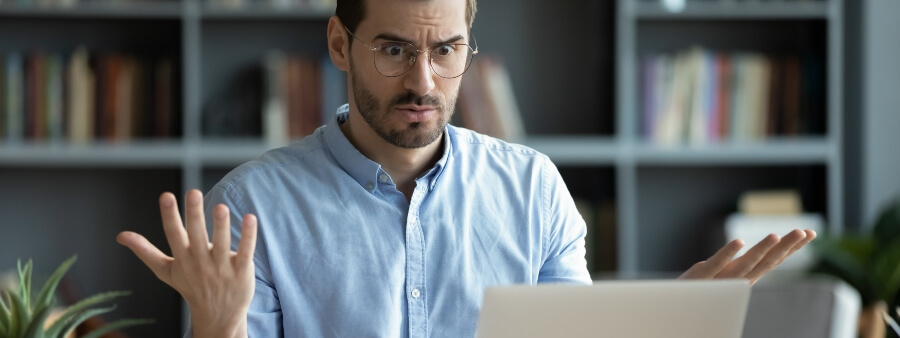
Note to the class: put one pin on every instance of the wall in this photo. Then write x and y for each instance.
(880, 137)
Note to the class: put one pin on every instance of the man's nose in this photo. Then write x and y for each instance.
(420, 78)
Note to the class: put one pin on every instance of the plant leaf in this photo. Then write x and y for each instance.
(49, 288)
(117, 325)
(25, 284)
(886, 269)
(35, 329)
(20, 317)
(887, 227)
(77, 320)
(75, 309)
(846, 258)
(4, 314)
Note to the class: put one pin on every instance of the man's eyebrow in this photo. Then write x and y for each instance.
(392, 37)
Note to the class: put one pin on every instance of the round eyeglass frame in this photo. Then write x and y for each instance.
(374, 49)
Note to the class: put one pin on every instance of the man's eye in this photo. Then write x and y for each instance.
(393, 49)
(445, 50)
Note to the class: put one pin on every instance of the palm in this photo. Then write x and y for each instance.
(216, 282)
(760, 259)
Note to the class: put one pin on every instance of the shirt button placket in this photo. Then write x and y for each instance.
(415, 269)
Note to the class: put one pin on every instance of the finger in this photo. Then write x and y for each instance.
(710, 267)
(777, 254)
(174, 229)
(196, 223)
(221, 234)
(247, 245)
(744, 264)
(810, 235)
(153, 258)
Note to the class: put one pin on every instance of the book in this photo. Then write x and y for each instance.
(334, 88)
(14, 91)
(508, 118)
(472, 101)
(163, 104)
(80, 101)
(274, 110)
(2, 98)
(54, 98)
(770, 202)
(487, 102)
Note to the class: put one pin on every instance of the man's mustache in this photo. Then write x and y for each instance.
(409, 98)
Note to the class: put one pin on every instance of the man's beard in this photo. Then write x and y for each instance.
(416, 134)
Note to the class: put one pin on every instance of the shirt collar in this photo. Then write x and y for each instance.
(363, 170)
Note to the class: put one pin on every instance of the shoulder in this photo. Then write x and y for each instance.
(470, 143)
(297, 156)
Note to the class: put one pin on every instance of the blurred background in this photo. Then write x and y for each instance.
(672, 122)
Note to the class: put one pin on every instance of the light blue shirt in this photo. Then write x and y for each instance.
(341, 253)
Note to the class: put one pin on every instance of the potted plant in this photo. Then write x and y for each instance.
(870, 262)
(22, 316)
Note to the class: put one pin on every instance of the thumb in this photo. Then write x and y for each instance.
(153, 258)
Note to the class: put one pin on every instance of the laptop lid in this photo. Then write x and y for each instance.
(655, 308)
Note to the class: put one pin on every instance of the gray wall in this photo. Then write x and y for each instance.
(880, 94)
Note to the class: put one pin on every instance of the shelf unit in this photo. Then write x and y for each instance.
(583, 115)
(665, 191)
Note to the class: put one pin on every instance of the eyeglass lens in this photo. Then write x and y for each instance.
(448, 60)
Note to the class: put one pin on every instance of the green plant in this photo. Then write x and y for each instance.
(870, 262)
(24, 317)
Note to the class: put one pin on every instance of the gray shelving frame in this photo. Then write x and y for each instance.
(825, 150)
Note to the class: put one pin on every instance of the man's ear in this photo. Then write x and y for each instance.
(338, 44)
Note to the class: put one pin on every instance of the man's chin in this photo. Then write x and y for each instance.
(413, 138)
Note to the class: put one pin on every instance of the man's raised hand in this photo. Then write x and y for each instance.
(756, 262)
(216, 283)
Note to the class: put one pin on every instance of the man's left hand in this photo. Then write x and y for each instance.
(756, 262)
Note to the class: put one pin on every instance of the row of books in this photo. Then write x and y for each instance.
(79, 97)
(300, 94)
(487, 102)
(701, 96)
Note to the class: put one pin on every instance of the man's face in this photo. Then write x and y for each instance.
(411, 110)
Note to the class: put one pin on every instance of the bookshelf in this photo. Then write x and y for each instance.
(672, 195)
(577, 81)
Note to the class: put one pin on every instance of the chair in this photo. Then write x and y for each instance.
(800, 308)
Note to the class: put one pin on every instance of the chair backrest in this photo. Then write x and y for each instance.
(813, 308)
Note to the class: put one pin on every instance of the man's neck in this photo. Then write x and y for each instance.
(403, 164)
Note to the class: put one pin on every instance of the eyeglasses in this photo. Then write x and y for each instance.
(395, 58)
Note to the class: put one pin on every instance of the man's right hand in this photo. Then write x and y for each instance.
(217, 283)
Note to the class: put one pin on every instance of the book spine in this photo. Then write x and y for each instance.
(15, 92)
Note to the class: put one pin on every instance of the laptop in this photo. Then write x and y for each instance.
(647, 308)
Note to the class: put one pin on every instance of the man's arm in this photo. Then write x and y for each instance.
(216, 282)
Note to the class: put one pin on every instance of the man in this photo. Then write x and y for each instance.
(387, 221)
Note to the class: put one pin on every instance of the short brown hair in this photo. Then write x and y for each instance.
(352, 12)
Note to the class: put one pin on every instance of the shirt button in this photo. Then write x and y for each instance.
(383, 178)
(416, 293)
(370, 186)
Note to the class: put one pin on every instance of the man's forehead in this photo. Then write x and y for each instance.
(409, 14)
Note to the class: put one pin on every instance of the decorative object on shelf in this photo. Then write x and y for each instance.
(869, 262)
(24, 317)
